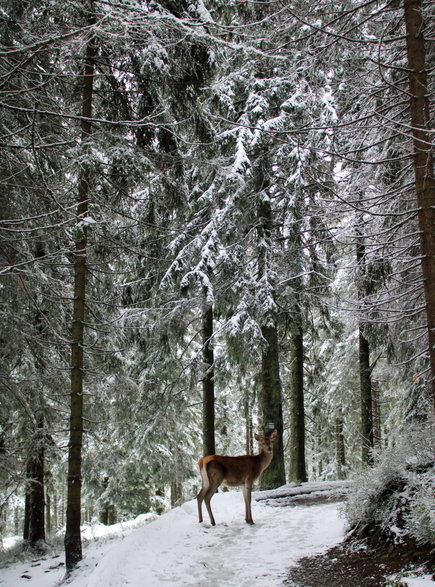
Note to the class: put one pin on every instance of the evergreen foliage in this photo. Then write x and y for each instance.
(235, 158)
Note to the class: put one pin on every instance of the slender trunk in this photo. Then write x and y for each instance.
(62, 511)
(248, 423)
(73, 545)
(423, 161)
(318, 447)
(104, 506)
(176, 492)
(112, 515)
(26, 525)
(365, 372)
(377, 417)
(48, 513)
(209, 447)
(3, 519)
(339, 444)
(366, 399)
(37, 504)
(90, 511)
(160, 508)
(297, 471)
(16, 520)
(271, 406)
(55, 513)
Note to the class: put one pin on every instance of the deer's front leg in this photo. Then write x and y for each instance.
(247, 489)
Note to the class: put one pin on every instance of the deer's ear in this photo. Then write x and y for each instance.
(274, 434)
(257, 437)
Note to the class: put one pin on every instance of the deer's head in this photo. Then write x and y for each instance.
(266, 442)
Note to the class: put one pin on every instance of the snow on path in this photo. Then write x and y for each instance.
(177, 550)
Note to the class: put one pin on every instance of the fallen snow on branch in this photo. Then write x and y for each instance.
(315, 492)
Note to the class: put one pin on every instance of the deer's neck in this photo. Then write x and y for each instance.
(265, 459)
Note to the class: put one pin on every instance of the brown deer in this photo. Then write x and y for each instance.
(218, 470)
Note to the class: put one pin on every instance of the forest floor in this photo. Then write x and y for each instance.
(342, 566)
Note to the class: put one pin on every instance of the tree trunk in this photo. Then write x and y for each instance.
(34, 515)
(103, 514)
(37, 504)
(73, 544)
(55, 523)
(377, 416)
(271, 406)
(366, 399)
(339, 444)
(48, 513)
(423, 162)
(16, 520)
(26, 524)
(209, 447)
(271, 391)
(365, 372)
(248, 423)
(297, 471)
(176, 492)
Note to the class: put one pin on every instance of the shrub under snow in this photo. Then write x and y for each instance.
(394, 503)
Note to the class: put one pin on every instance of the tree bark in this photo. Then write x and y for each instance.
(423, 162)
(339, 444)
(271, 406)
(377, 417)
(73, 545)
(37, 502)
(48, 512)
(26, 524)
(103, 515)
(366, 399)
(365, 372)
(248, 423)
(55, 523)
(34, 515)
(271, 390)
(176, 492)
(297, 471)
(208, 399)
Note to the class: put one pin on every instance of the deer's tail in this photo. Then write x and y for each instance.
(204, 475)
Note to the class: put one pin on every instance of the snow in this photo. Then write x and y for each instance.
(49, 569)
(411, 580)
(175, 549)
(422, 581)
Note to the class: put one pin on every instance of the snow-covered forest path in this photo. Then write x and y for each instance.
(176, 550)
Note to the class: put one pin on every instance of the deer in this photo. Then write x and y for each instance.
(239, 471)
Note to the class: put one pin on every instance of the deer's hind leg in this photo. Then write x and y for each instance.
(199, 499)
(203, 490)
(215, 474)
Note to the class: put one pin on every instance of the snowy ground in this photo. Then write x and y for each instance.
(175, 550)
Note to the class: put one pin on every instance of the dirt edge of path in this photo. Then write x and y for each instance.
(347, 566)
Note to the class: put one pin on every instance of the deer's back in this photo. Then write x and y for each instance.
(231, 471)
